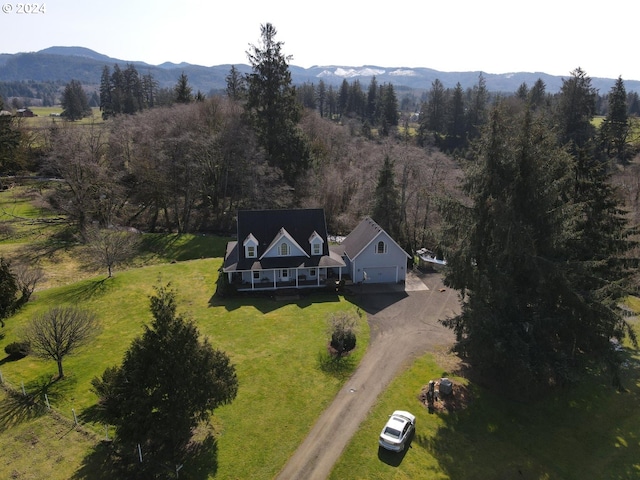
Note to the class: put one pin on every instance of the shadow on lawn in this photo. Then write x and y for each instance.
(394, 459)
(83, 290)
(268, 302)
(563, 434)
(105, 462)
(17, 408)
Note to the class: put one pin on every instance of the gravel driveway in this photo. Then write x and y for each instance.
(397, 316)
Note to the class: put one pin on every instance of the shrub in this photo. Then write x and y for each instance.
(342, 330)
(18, 349)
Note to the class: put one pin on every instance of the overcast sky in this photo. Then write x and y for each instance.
(493, 36)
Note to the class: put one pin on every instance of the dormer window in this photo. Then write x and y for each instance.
(316, 242)
(284, 249)
(381, 247)
(250, 246)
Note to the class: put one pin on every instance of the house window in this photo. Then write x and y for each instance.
(256, 275)
(251, 251)
(284, 249)
(312, 272)
(381, 247)
(317, 248)
(285, 273)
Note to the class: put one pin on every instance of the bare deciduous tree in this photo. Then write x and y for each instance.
(59, 332)
(108, 248)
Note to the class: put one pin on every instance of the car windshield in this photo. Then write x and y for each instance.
(392, 432)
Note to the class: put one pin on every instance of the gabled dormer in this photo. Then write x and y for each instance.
(250, 246)
(284, 245)
(316, 242)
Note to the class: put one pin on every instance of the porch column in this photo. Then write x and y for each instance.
(275, 279)
(252, 281)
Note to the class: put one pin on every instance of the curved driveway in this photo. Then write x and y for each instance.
(397, 317)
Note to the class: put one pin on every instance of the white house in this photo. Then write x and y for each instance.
(290, 249)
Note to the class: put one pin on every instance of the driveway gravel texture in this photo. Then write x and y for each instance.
(405, 315)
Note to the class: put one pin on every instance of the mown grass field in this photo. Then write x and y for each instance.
(278, 349)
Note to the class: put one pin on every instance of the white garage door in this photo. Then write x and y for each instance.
(380, 274)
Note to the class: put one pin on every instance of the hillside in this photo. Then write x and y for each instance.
(65, 63)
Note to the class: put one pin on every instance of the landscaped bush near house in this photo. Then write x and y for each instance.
(342, 328)
(17, 350)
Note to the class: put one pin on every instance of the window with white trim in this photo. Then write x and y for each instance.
(317, 248)
(251, 251)
(284, 249)
(284, 273)
(381, 247)
(312, 272)
(256, 275)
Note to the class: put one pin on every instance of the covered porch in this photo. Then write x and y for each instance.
(276, 278)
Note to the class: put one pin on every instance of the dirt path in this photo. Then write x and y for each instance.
(409, 319)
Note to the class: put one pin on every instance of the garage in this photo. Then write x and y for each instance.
(381, 274)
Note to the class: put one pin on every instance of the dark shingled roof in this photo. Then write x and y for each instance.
(360, 237)
(265, 226)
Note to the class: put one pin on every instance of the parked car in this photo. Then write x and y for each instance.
(397, 431)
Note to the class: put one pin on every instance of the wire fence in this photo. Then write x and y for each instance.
(38, 401)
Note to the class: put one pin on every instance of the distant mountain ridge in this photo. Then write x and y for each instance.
(63, 64)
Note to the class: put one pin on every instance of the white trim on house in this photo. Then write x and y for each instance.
(277, 242)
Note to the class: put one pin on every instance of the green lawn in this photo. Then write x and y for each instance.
(274, 345)
(589, 432)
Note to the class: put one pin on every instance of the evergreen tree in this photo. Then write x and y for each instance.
(170, 381)
(343, 97)
(537, 94)
(523, 92)
(106, 101)
(75, 104)
(575, 111)
(536, 311)
(236, 85)
(183, 90)
(436, 108)
(456, 137)
(322, 97)
(8, 291)
(273, 108)
(372, 102)
(386, 209)
(615, 127)
(477, 111)
(9, 143)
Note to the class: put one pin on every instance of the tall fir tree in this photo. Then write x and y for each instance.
(615, 128)
(75, 104)
(537, 309)
(272, 105)
(170, 381)
(386, 208)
